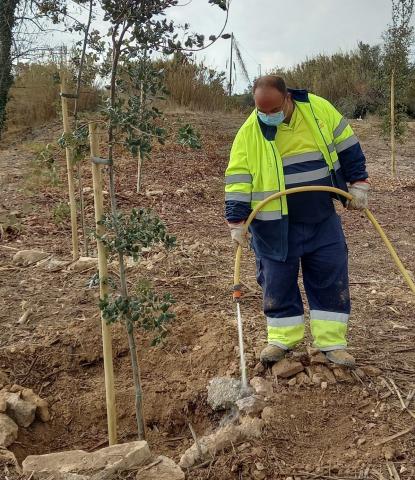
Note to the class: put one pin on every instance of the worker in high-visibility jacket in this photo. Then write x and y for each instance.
(292, 139)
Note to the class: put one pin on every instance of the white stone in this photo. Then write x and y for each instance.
(42, 406)
(28, 257)
(223, 392)
(261, 386)
(8, 430)
(53, 265)
(21, 411)
(165, 469)
(115, 458)
(252, 405)
(84, 263)
(222, 439)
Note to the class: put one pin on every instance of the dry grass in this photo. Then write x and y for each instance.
(34, 97)
(195, 86)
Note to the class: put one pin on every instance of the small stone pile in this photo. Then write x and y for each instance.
(311, 368)
(19, 407)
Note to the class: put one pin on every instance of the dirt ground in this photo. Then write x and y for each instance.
(315, 433)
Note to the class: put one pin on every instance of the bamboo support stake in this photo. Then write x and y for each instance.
(69, 167)
(392, 106)
(103, 289)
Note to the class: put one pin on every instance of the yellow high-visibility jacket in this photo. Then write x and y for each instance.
(256, 169)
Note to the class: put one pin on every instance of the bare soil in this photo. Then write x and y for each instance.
(314, 433)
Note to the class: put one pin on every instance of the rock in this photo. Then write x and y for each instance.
(268, 414)
(15, 388)
(286, 368)
(258, 369)
(361, 441)
(292, 382)
(222, 439)
(318, 358)
(251, 427)
(61, 476)
(166, 469)
(223, 392)
(153, 193)
(262, 386)
(324, 385)
(42, 406)
(7, 459)
(360, 373)
(25, 258)
(8, 430)
(3, 402)
(325, 373)
(389, 452)
(342, 375)
(316, 379)
(371, 371)
(302, 379)
(53, 265)
(252, 405)
(113, 459)
(83, 263)
(22, 412)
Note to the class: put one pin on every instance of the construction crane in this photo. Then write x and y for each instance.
(235, 47)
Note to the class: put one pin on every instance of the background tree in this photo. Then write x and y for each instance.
(398, 40)
(8, 9)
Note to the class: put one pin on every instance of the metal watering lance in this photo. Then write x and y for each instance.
(237, 292)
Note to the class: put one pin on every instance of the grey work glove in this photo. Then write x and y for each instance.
(237, 233)
(360, 192)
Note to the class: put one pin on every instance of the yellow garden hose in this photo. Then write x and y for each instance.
(397, 260)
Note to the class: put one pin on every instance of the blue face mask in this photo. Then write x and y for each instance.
(272, 119)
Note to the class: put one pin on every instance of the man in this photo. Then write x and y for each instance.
(292, 139)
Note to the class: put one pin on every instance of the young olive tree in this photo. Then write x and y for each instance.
(138, 30)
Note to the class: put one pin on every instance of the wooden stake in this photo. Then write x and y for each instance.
(392, 106)
(103, 289)
(139, 167)
(69, 167)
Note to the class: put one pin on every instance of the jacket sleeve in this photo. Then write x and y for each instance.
(351, 157)
(238, 182)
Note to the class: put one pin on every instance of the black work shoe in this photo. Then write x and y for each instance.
(271, 354)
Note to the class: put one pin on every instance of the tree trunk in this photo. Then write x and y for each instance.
(7, 21)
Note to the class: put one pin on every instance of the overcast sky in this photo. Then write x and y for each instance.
(280, 33)
(283, 33)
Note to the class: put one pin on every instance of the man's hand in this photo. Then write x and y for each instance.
(360, 191)
(237, 233)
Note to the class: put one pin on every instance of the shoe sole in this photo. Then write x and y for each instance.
(268, 360)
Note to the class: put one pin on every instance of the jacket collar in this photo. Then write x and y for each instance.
(299, 95)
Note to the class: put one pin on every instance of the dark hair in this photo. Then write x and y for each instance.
(271, 81)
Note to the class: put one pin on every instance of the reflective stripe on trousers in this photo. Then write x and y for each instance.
(328, 329)
(285, 332)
